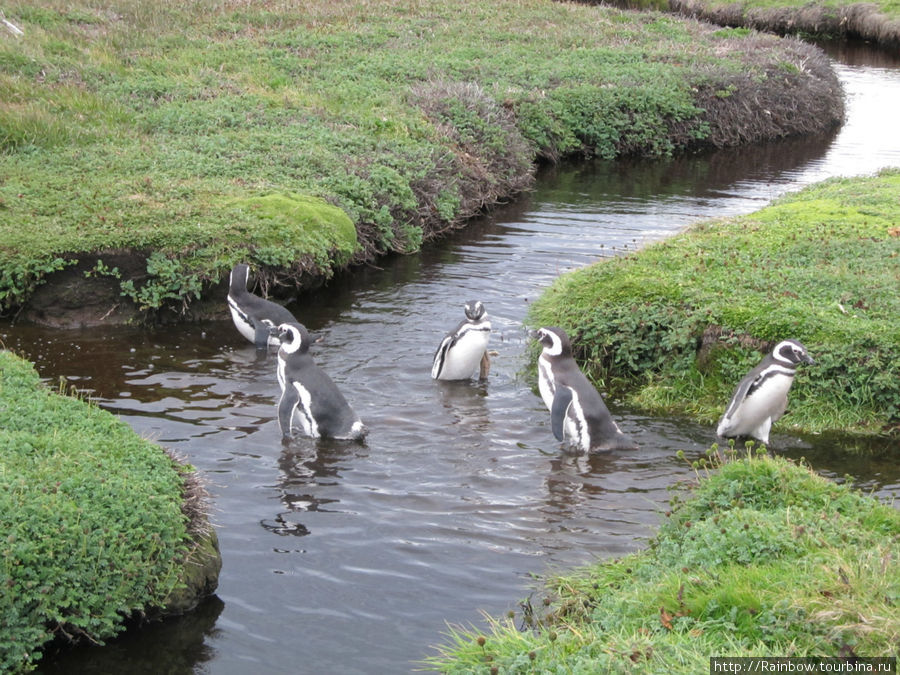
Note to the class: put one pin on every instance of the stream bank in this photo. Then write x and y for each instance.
(205, 134)
(99, 525)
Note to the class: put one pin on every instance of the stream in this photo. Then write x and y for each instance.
(354, 558)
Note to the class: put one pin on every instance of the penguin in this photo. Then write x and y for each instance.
(578, 415)
(309, 392)
(761, 397)
(464, 349)
(253, 316)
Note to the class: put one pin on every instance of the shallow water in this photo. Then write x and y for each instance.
(350, 558)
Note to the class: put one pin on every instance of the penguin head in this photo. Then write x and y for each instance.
(792, 352)
(555, 341)
(240, 274)
(474, 310)
(293, 337)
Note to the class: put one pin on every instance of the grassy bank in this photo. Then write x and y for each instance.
(763, 558)
(877, 21)
(97, 523)
(299, 138)
(674, 327)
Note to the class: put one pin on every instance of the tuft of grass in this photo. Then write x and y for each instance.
(761, 557)
(92, 516)
(674, 326)
(140, 128)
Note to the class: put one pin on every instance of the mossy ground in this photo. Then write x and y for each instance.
(93, 518)
(136, 126)
(673, 327)
(763, 558)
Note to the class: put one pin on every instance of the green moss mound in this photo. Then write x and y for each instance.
(90, 515)
(676, 325)
(285, 224)
(762, 558)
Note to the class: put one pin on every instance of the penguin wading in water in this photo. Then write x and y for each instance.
(578, 415)
(308, 393)
(253, 316)
(761, 397)
(464, 349)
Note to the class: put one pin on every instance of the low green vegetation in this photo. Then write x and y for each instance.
(93, 519)
(673, 327)
(877, 21)
(762, 558)
(200, 133)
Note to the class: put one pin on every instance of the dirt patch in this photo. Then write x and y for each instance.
(77, 298)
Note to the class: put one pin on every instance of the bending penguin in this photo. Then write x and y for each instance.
(308, 393)
(464, 349)
(578, 415)
(253, 316)
(761, 397)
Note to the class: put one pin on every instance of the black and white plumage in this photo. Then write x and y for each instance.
(253, 316)
(761, 397)
(464, 349)
(308, 394)
(578, 415)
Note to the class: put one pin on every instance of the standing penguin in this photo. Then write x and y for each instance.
(578, 414)
(309, 392)
(464, 349)
(761, 397)
(253, 316)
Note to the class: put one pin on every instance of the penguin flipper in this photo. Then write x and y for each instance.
(562, 399)
(740, 394)
(261, 333)
(290, 397)
(440, 356)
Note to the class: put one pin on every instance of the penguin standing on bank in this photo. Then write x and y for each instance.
(464, 350)
(253, 316)
(578, 415)
(761, 397)
(308, 393)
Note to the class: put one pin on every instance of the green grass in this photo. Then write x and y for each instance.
(141, 127)
(889, 8)
(762, 558)
(674, 327)
(877, 22)
(91, 516)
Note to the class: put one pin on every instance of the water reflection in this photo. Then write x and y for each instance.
(186, 639)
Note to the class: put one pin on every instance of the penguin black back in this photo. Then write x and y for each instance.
(308, 392)
(578, 413)
(253, 316)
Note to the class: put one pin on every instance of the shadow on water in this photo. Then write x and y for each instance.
(351, 558)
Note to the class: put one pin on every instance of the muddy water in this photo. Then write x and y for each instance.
(349, 558)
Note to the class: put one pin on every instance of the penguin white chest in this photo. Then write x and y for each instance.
(244, 326)
(764, 406)
(577, 431)
(304, 411)
(241, 322)
(464, 357)
(546, 383)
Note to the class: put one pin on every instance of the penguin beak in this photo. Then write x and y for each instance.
(276, 332)
(808, 359)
